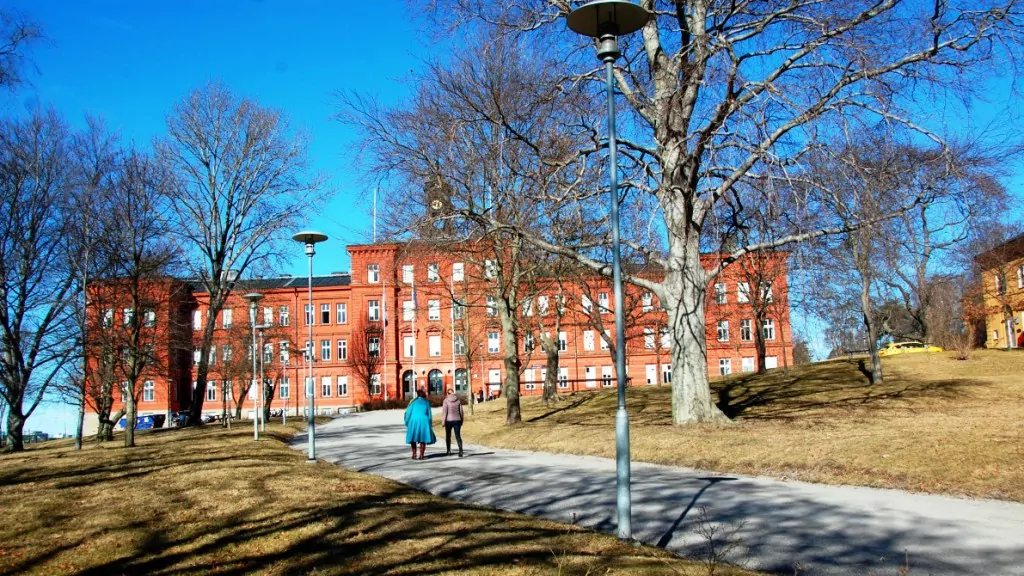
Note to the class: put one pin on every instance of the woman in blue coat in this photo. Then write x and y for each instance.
(419, 426)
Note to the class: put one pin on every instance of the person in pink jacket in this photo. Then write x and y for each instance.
(451, 416)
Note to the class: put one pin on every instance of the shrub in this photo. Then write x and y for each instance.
(382, 404)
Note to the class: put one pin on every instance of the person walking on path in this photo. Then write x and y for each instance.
(452, 416)
(419, 428)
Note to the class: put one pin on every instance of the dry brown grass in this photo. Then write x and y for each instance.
(202, 501)
(937, 425)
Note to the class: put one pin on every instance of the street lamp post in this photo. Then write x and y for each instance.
(606, 20)
(310, 238)
(253, 298)
(284, 401)
(263, 382)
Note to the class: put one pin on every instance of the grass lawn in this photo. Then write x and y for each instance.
(209, 501)
(936, 425)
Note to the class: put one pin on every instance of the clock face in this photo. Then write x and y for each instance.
(436, 204)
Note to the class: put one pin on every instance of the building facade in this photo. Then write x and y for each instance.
(404, 319)
(1002, 294)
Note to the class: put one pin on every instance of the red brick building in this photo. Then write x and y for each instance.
(373, 337)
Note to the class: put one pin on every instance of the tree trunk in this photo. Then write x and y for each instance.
(15, 430)
(513, 413)
(871, 329)
(80, 424)
(195, 411)
(550, 348)
(691, 392)
(129, 422)
(268, 397)
(760, 347)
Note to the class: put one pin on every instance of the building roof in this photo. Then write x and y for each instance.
(1003, 253)
(295, 282)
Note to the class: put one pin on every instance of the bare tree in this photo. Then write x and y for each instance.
(364, 355)
(17, 33)
(37, 323)
(240, 184)
(718, 92)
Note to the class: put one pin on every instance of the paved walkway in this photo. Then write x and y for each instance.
(781, 525)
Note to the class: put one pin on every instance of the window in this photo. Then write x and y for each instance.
(771, 362)
(325, 350)
(602, 303)
(747, 364)
(325, 313)
(723, 330)
(149, 318)
(651, 373)
(769, 329)
(648, 301)
(563, 378)
(213, 355)
(720, 296)
(528, 343)
(196, 353)
(408, 311)
(227, 317)
(407, 273)
(649, 338)
(588, 340)
(542, 305)
(282, 314)
(590, 374)
(606, 376)
(490, 270)
(342, 350)
(530, 379)
(149, 391)
(124, 391)
(342, 386)
(563, 342)
(375, 384)
(766, 292)
(458, 310)
(307, 351)
(309, 314)
(409, 346)
(666, 339)
(746, 333)
(434, 345)
(743, 292)
(373, 310)
(607, 338)
(1000, 287)
(433, 309)
(342, 313)
(211, 392)
(493, 342)
(108, 319)
(528, 307)
(284, 390)
(325, 387)
(229, 352)
(268, 315)
(460, 344)
(492, 307)
(586, 303)
(432, 273)
(666, 373)
(725, 366)
(373, 273)
(283, 351)
(128, 315)
(373, 347)
(1020, 276)
(458, 272)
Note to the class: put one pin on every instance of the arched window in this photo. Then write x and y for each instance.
(435, 383)
(461, 381)
(408, 384)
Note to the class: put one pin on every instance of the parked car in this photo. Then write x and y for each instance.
(147, 422)
(178, 419)
(896, 348)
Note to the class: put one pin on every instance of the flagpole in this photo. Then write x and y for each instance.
(453, 334)
(415, 347)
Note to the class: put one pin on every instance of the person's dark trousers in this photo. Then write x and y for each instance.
(448, 427)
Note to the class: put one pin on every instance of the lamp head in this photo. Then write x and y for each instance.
(253, 298)
(607, 20)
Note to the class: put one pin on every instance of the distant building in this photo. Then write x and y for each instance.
(407, 318)
(1002, 293)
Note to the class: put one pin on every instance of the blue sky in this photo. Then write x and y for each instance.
(129, 61)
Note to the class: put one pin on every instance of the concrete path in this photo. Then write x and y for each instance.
(781, 526)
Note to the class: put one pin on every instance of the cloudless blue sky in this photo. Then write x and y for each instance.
(130, 61)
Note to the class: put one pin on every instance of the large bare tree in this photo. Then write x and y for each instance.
(241, 184)
(718, 93)
(37, 321)
(17, 33)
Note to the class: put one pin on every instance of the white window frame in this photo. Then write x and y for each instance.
(723, 330)
(769, 328)
(284, 390)
(283, 351)
(724, 366)
(211, 391)
(460, 345)
(588, 340)
(326, 387)
(666, 373)
(747, 364)
(647, 300)
(433, 272)
(434, 345)
(342, 349)
(325, 350)
(283, 318)
(373, 346)
(375, 384)
(563, 377)
(408, 273)
(342, 313)
(342, 386)
(743, 292)
(542, 305)
(590, 376)
(433, 310)
(409, 346)
(268, 315)
(492, 306)
(108, 319)
(458, 272)
(607, 377)
(325, 312)
(649, 338)
(148, 317)
(563, 341)
(603, 304)
(720, 293)
(493, 342)
(586, 303)
(148, 391)
(408, 310)
(373, 310)
(604, 342)
(490, 269)
(746, 330)
(373, 273)
(227, 318)
(308, 308)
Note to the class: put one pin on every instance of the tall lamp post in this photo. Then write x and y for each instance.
(263, 381)
(253, 298)
(606, 20)
(310, 239)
